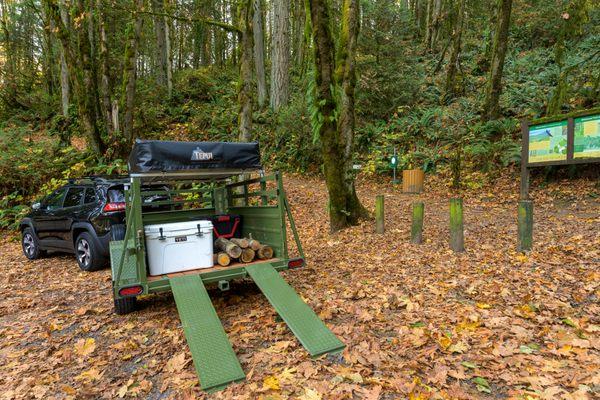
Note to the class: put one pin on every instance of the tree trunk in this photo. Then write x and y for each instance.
(105, 72)
(494, 84)
(343, 209)
(163, 44)
(346, 78)
(453, 86)
(245, 85)
(280, 54)
(130, 73)
(298, 36)
(259, 53)
(82, 74)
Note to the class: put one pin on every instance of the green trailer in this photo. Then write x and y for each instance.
(198, 189)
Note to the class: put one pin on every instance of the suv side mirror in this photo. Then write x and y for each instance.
(36, 206)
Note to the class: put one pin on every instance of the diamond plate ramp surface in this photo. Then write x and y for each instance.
(300, 318)
(215, 361)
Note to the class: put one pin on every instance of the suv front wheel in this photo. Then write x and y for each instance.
(31, 245)
(88, 255)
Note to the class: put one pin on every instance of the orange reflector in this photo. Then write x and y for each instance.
(296, 263)
(131, 291)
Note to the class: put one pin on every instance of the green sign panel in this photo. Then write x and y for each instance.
(393, 162)
(587, 137)
(548, 142)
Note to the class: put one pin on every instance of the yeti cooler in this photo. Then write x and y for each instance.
(179, 246)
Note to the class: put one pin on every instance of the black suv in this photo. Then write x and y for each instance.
(78, 218)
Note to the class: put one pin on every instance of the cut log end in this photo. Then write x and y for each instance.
(232, 249)
(247, 255)
(222, 259)
(265, 252)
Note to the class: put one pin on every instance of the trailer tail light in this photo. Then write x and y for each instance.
(296, 263)
(110, 207)
(131, 291)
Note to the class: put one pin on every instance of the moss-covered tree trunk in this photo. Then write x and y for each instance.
(453, 86)
(258, 32)
(130, 73)
(344, 207)
(163, 47)
(75, 40)
(246, 41)
(494, 84)
(346, 79)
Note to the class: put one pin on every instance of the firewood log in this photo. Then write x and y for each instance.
(243, 243)
(247, 255)
(265, 252)
(254, 244)
(222, 259)
(232, 249)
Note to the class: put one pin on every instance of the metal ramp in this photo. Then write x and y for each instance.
(299, 317)
(215, 361)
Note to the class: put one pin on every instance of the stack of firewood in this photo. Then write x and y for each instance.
(244, 250)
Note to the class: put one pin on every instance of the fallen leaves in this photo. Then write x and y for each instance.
(419, 322)
(85, 347)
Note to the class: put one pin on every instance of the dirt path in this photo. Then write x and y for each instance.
(417, 320)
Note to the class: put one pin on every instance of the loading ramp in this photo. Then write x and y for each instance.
(214, 359)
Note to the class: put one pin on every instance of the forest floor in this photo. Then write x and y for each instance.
(419, 321)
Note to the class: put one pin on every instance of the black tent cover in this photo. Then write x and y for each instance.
(149, 156)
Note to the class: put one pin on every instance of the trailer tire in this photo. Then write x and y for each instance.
(125, 305)
(117, 232)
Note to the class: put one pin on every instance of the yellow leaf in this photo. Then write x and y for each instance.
(287, 374)
(271, 382)
(68, 390)
(310, 394)
(85, 347)
(483, 306)
(459, 347)
(444, 342)
(90, 375)
(522, 258)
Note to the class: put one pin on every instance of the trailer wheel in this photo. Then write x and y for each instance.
(125, 305)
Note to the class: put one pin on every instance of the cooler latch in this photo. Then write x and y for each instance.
(200, 233)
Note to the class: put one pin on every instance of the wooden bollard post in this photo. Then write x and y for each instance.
(457, 238)
(525, 221)
(416, 231)
(379, 214)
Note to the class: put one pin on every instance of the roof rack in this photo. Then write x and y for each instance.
(97, 178)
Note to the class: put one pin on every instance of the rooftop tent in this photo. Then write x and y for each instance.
(214, 159)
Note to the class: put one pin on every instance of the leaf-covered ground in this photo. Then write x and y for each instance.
(418, 321)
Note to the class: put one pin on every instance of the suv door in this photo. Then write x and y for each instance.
(46, 220)
(71, 211)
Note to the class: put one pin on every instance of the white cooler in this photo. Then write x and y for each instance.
(179, 246)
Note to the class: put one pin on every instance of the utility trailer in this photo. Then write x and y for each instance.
(199, 180)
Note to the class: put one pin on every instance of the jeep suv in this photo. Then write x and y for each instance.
(78, 218)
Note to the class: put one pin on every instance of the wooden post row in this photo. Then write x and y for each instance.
(525, 223)
(379, 214)
(457, 239)
(416, 231)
